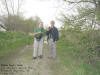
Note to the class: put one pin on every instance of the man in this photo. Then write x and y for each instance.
(38, 41)
(53, 37)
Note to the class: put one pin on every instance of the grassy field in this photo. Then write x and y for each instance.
(9, 41)
(73, 56)
(76, 53)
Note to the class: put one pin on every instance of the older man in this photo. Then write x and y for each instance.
(53, 37)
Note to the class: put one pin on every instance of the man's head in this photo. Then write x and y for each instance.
(52, 23)
(41, 25)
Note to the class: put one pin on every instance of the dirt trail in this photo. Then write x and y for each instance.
(23, 64)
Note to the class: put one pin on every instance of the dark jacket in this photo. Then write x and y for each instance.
(53, 33)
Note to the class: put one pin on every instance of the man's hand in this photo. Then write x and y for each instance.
(31, 34)
(48, 29)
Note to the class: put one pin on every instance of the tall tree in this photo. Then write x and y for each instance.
(88, 14)
(11, 9)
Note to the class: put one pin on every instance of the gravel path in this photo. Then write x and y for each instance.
(21, 63)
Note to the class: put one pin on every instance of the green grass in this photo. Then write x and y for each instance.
(73, 56)
(9, 41)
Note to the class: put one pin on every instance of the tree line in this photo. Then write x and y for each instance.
(88, 16)
(12, 17)
(84, 28)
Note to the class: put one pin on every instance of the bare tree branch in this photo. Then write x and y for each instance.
(81, 2)
(7, 7)
(12, 5)
(19, 6)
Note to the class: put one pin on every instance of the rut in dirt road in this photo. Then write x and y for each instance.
(21, 63)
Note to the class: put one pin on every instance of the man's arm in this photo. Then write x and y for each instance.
(47, 31)
(33, 34)
(57, 35)
(43, 32)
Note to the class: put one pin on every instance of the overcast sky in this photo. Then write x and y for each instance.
(47, 10)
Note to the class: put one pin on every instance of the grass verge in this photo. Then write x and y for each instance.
(9, 41)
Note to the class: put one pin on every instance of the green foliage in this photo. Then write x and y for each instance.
(77, 54)
(79, 46)
(19, 23)
(87, 17)
(11, 40)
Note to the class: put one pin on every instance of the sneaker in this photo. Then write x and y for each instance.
(49, 57)
(40, 56)
(34, 57)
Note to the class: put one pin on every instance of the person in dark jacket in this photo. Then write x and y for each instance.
(53, 37)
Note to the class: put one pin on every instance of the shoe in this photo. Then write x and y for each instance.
(54, 58)
(34, 57)
(49, 57)
(40, 56)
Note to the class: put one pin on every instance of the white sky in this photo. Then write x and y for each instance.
(44, 9)
(47, 10)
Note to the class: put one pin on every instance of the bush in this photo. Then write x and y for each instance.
(11, 40)
(87, 42)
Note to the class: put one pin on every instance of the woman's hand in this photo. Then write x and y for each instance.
(48, 29)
